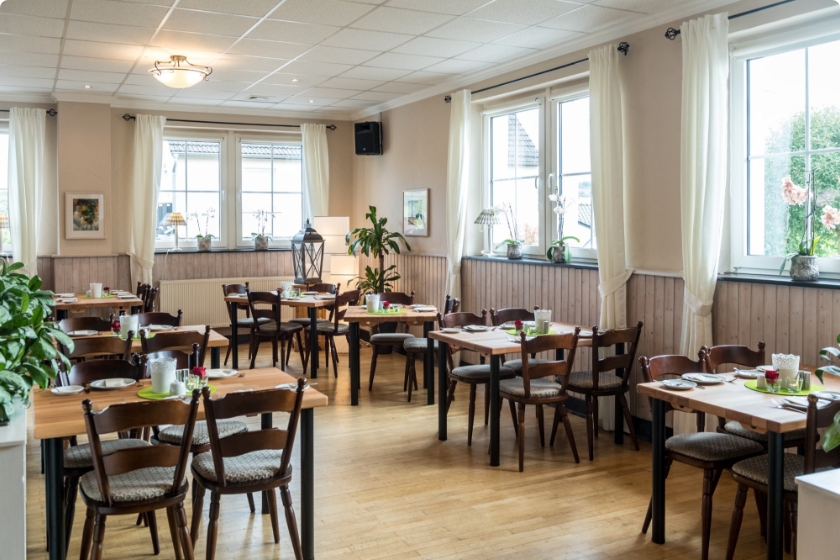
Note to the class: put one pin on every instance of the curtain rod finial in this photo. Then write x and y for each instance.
(52, 112)
(447, 99)
(672, 33)
(624, 47)
(127, 117)
(331, 127)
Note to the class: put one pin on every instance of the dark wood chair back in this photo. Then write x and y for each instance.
(130, 416)
(511, 314)
(400, 298)
(557, 368)
(734, 354)
(451, 305)
(343, 300)
(86, 324)
(150, 300)
(99, 346)
(231, 289)
(251, 404)
(177, 341)
(820, 416)
(322, 288)
(183, 360)
(669, 367)
(94, 370)
(461, 319)
(142, 290)
(161, 318)
(622, 363)
(265, 305)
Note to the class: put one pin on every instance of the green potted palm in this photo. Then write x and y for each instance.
(26, 340)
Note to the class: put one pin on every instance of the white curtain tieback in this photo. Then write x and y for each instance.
(142, 262)
(614, 283)
(697, 307)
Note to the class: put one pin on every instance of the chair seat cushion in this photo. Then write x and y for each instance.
(284, 327)
(134, 486)
(541, 388)
(173, 434)
(247, 322)
(516, 365)
(735, 428)
(79, 457)
(418, 344)
(250, 467)
(583, 380)
(712, 446)
(329, 328)
(479, 373)
(305, 321)
(755, 469)
(396, 338)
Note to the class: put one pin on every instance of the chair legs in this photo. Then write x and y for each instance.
(271, 496)
(373, 366)
(561, 414)
(520, 435)
(471, 415)
(87, 535)
(590, 421)
(737, 516)
(628, 419)
(71, 486)
(334, 350)
(183, 531)
(98, 537)
(213, 526)
(153, 531)
(198, 506)
(710, 481)
(291, 522)
(451, 394)
(540, 424)
(173, 533)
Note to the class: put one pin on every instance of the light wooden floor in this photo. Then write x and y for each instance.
(387, 488)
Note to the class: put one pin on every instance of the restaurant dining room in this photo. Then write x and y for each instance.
(433, 279)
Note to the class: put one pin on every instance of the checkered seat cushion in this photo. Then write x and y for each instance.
(417, 344)
(173, 434)
(583, 380)
(305, 321)
(284, 327)
(395, 338)
(79, 457)
(133, 486)
(479, 373)
(712, 446)
(250, 467)
(736, 429)
(516, 365)
(247, 322)
(756, 468)
(541, 388)
(330, 328)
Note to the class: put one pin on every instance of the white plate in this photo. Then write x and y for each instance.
(325, 296)
(126, 296)
(67, 300)
(476, 328)
(704, 378)
(155, 328)
(450, 330)
(747, 373)
(310, 293)
(425, 309)
(116, 383)
(679, 384)
(832, 395)
(220, 373)
(67, 390)
(516, 339)
(764, 368)
(291, 386)
(65, 295)
(82, 333)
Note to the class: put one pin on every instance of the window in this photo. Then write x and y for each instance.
(575, 173)
(786, 132)
(271, 181)
(5, 232)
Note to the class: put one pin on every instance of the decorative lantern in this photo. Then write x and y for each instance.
(307, 255)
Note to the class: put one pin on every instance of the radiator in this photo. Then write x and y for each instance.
(202, 301)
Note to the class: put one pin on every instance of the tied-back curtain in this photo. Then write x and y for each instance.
(27, 131)
(148, 162)
(703, 175)
(457, 185)
(316, 171)
(607, 138)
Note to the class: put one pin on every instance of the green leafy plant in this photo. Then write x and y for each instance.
(26, 341)
(831, 439)
(805, 250)
(376, 242)
(557, 243)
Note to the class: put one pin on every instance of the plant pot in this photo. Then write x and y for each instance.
(560, 254)
(261, 243)
(514, 251)
(804, 268)
(204, 243)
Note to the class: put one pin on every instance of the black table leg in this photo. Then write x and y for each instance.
(353, 357)
(215, 357)
(307, 483)
(313, 343)
(54, 479)
(234, 334)
(775, 484)
(266, 423)
(60, 314)
(658, 493)
(443, 351)
(429, 364)
(619, 414)
(494, 410)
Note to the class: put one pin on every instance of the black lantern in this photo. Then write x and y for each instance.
(307, 255)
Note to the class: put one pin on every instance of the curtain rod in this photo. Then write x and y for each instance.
(623, 47)
(672, 33)
(127, 117)
(50, 112)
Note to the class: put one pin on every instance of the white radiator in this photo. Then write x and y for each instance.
(203, 302)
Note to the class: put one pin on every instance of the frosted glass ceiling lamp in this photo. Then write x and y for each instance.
(179, 72)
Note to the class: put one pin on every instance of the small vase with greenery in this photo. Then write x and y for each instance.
(261, 239)
(376, 241)
(26, 341)
(558, 250)
(514, 242)
(803, 262)
(205, 238)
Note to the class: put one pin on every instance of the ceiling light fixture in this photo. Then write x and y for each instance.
(179, 73)
(293, 79)
(312, 101)
(87, 86)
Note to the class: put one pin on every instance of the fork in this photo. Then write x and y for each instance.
(777, 404)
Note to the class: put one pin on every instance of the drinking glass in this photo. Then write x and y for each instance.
(794, 384)
(774, 386)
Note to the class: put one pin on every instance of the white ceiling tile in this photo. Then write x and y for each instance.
(294, 107)
(287, 79)
(185, 42)
(270, 49)
(526, 12)
(412, 22)
(22, 43)
(377, 2)
(151, 55)
(257, 8)
(312, 100)
(89, 76)
(41, 8)
(246, 104)
(349, 83)
(364, 39)
(376, 96)
(275, 90)
(108, 11)
(95, 64)
(402, 61)
(430, 46)
(165, 3)
(27, 25)
(18, 81)
(538, 37)
(151, 89)
(353, 103)
(29, 59)
(330, 12)
(24, 89)
(454, 7)
(200, 101)
(200, 92)
(455, 66)
(400, 87)
(495, 53)
(375, 74)
(236, 75)
(142, 97)
(219, 85)
(24, 71)
(310, 68)
(341, 56)
(426, 78)
(475, 29)
(589, 18)
(109, 33)
(206, 22)
(95, 87)
(292, 32)
(332, 93)
(253, 63)
(644, 6)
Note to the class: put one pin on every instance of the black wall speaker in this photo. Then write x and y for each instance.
(368, 139)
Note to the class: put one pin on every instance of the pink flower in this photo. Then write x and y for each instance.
(830, 217)
(199, 372)
(793, 195)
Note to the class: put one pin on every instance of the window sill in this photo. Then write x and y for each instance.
(194, 250)
(579, 263)
(775, 279)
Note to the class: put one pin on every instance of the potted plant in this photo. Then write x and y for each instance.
(514, 242)
(205, 239)
(803, 262)
(261, 239)
(26, 341)
(377, 242)
(559, 252)
(831, 438)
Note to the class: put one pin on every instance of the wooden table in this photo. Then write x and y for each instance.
(59, 417)
(313, 303)
(731, 401)
(84, 303)
(494, 343)
(358, 315)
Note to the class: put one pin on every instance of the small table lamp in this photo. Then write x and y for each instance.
(177, 220)
(4, 223)
(488, 217)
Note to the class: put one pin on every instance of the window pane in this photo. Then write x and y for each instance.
(579, 218)
(824, 95)
(574, 136)
(776, 226)
(287, 216)
(777, 103)
(203, 217)
(4, 186)
(274, 170)
(287, 169)
(250, 204)
(575, 162)
(826, 170)
(256, 167)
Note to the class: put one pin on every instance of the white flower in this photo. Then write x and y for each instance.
(553, 197)
(559, 210)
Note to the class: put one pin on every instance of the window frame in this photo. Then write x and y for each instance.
(7, 248)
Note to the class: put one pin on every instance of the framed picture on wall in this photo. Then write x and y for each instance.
(416, 213)
(84, 216)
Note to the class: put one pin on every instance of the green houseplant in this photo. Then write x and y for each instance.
(376, 241)
(558, 251)
(205, 239)
(26, 341)
(514, 242)
(831, 439)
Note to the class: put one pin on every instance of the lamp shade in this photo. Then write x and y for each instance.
(4, 218)
(179, 73)
(344, 265)
(489, 217)
(334, 231)
(175, 219)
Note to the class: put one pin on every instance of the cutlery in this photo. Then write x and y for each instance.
(777, 404)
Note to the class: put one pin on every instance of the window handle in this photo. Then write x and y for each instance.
(551, 181)
(536, 182)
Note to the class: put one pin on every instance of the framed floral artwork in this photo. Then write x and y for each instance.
(84, 216)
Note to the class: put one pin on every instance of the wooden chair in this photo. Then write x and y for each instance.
(509, 315)
(711, 451)
(86, 324)
(177, 341)
(150, 300)
(396, 339)
(609, 376)
(142, 290)
(246, 322)
(471, 375)
(99, 347)
(752, 472)
(417, 347)
(330, 330)
(268, 305)
(183, 360)
(228, 468)
(137, 480)
(321, 288)
(160, 318)
(538, 385)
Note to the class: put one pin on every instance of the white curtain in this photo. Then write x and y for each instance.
(457, 186)
(316, 171)
(607, 138)
(27, 130)
(148, 160)
(703, 157)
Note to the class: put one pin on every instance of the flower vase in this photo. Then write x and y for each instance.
(261, 243)
(204, 243)
(514, 251)
(803, 268)
(559, 254)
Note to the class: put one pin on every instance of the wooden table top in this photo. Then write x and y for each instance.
(216, 340)
(85, 302)
(308, 301)
(497, 341)
(61, 416)
(733, 401)
(359, 314)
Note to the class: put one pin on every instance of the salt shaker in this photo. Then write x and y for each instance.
(806, 380)
(177, 388)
